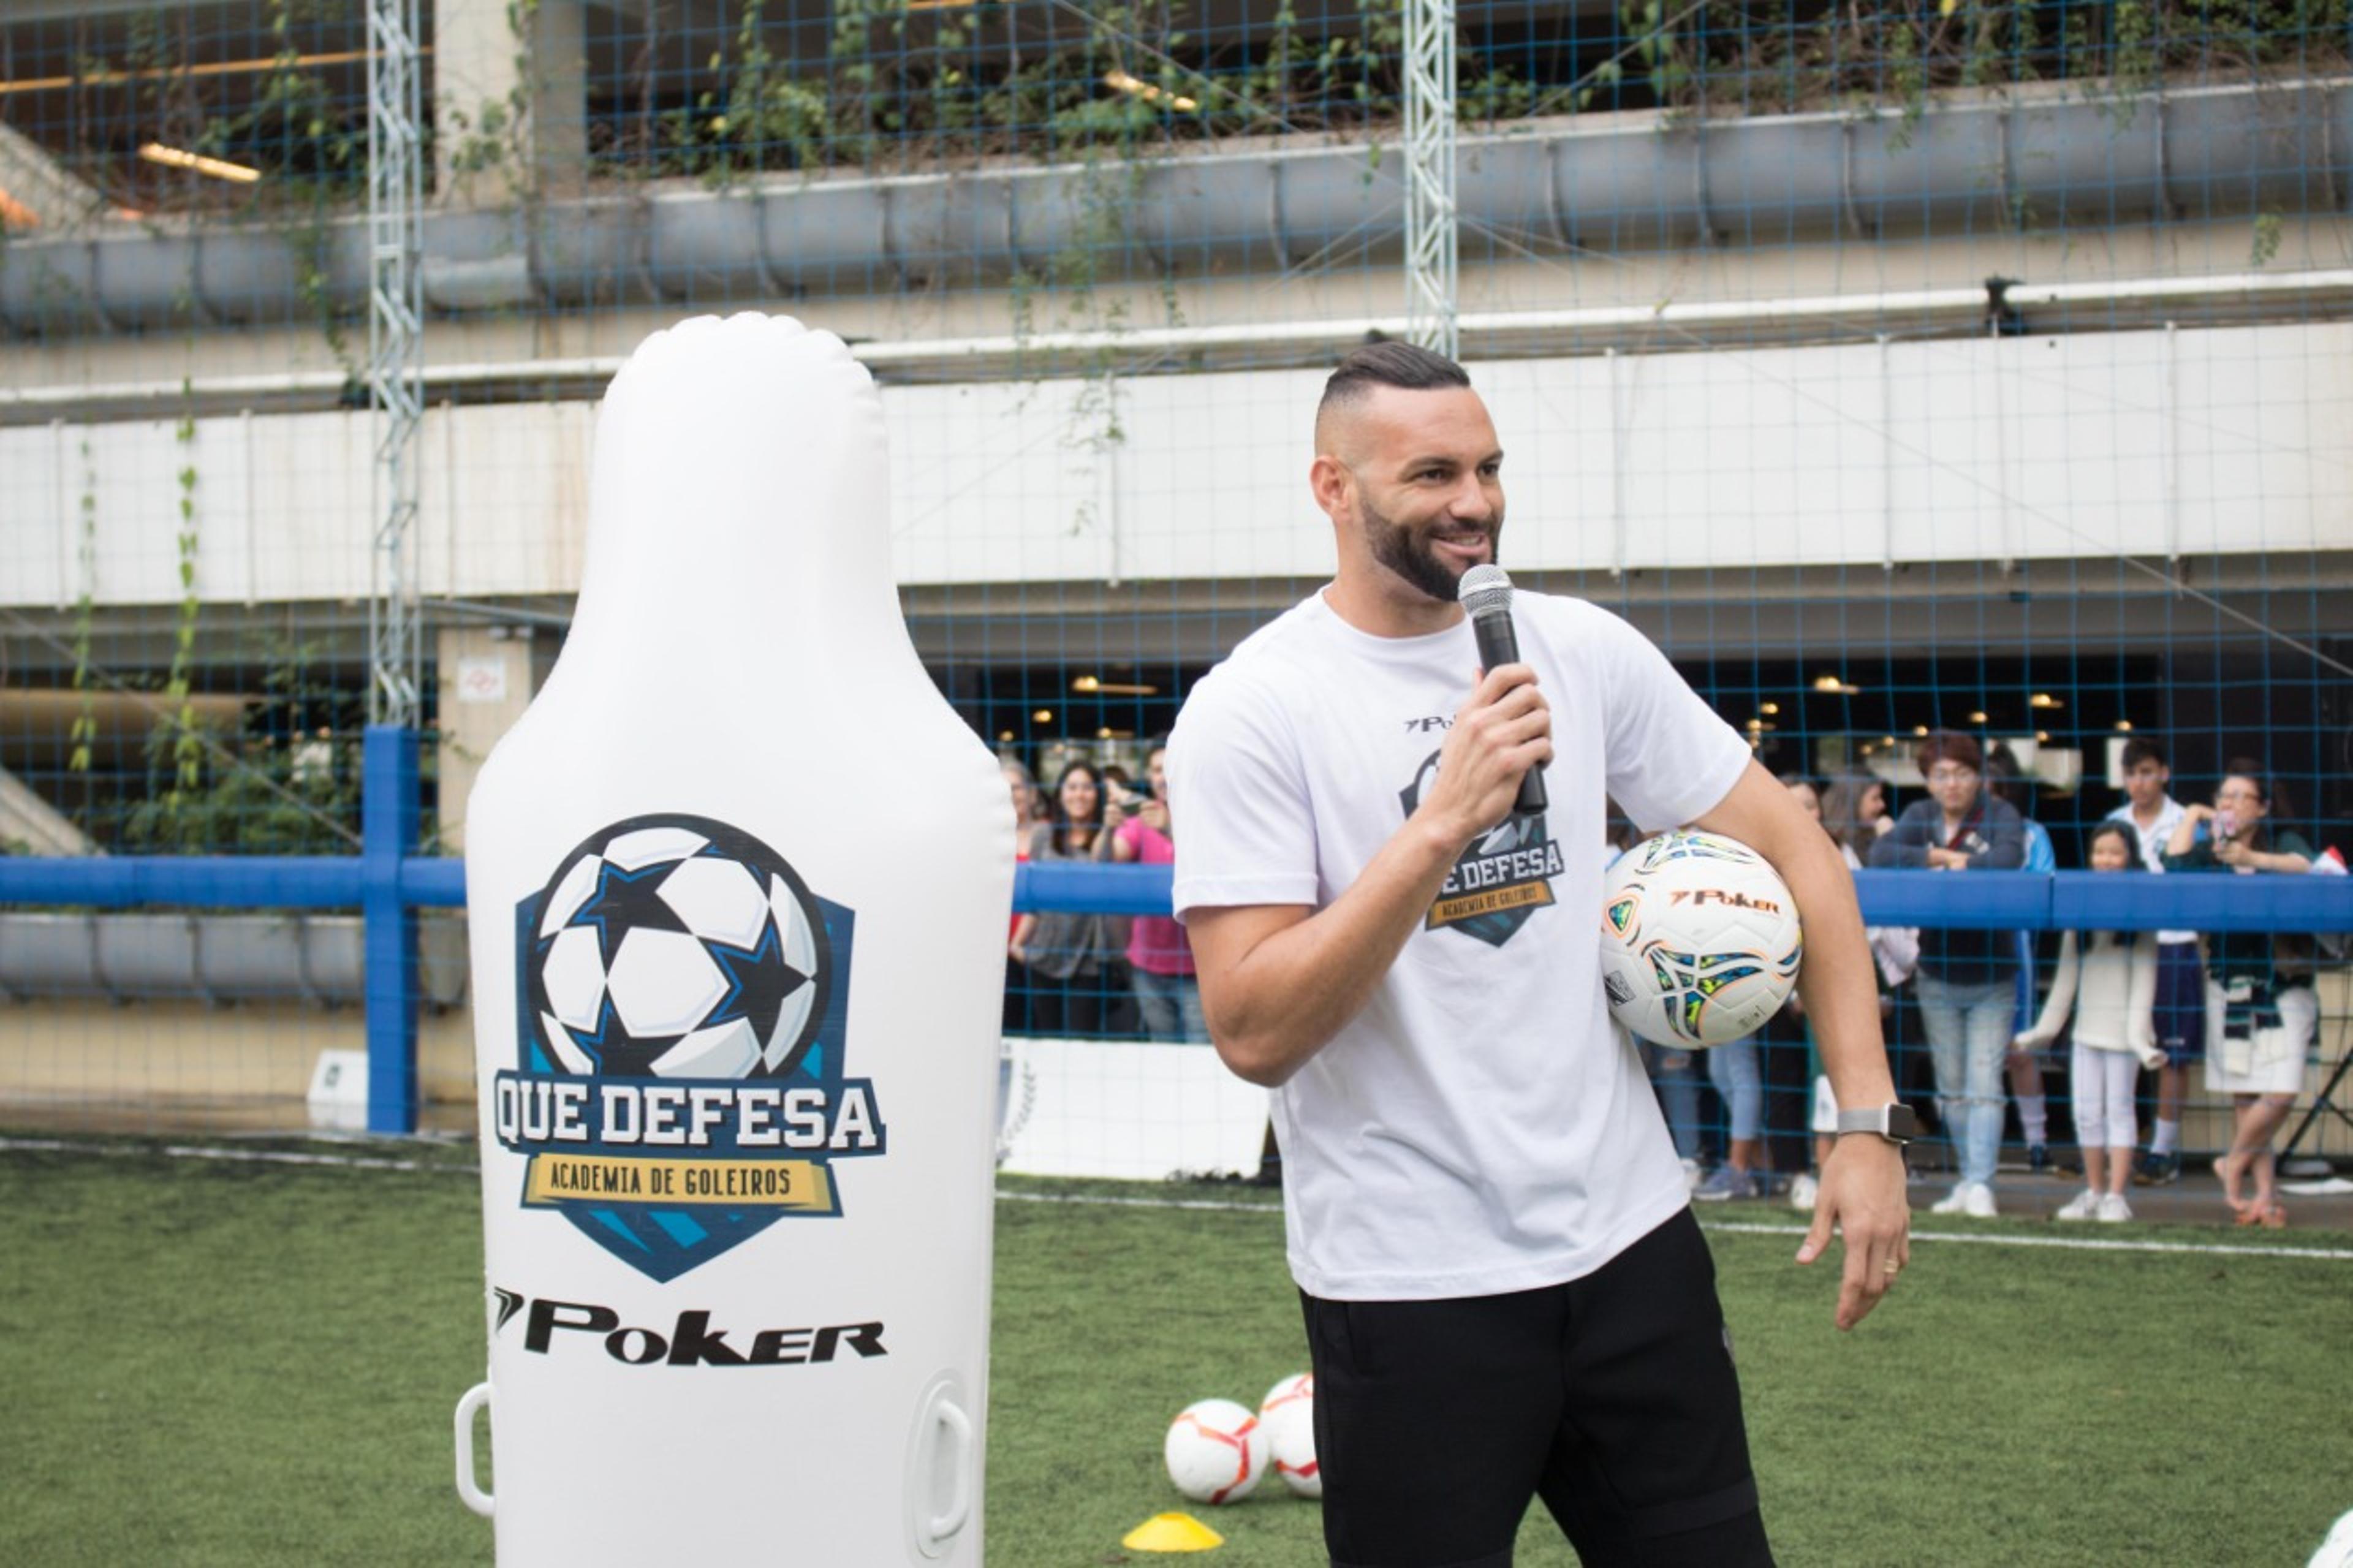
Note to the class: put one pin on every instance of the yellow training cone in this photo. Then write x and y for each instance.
(1172, 1532)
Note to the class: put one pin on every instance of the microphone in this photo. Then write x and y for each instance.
(1485, 591)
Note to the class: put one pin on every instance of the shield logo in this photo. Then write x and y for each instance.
(1501, 880)
(679, 987)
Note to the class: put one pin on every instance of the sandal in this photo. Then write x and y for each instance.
(2274, 1217)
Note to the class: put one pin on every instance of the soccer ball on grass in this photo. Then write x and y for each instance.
(1215, 1451)
(1287, 1413)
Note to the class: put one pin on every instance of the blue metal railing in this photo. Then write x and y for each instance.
(387, 882)
(1991, 900)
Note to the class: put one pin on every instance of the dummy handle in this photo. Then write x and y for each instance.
(951, 1415)
(469, 1492)
(942, 1456)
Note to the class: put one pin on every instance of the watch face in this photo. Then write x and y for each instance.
(1900, 1122)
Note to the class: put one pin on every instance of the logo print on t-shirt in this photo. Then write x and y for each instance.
(1501, 879)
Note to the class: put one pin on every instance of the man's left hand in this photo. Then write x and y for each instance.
(1862, 1198)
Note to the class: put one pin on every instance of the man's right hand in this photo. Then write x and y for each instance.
(1503, 730)
(1279, 981)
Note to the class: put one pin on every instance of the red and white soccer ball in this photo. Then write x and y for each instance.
(1700, 942)
(1288, 1414)
(1215, 1451)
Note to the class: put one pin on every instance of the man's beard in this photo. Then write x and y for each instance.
(1409, 556)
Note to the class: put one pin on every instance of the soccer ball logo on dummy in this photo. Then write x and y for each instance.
(678, 952)
(681, 996)
(1700, 942)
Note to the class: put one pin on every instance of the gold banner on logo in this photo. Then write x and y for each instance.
(1518, 896)
(775, 1184)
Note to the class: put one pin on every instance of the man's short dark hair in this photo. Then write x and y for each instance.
(2140, 749)
(1389, 362)
(1948, 746)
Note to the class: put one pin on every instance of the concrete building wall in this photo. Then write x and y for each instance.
(2151, 444)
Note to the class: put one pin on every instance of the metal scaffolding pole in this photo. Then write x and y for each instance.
(1430, 211)
(396, 355)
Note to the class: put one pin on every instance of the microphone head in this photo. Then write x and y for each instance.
(1485, 589)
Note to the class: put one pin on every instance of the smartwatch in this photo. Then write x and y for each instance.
(1894, 1123)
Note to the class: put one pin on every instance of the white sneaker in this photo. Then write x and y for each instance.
(1979, 1204)
(1693, 1175)
(1954, 1201)
(2085, 1205)
(2114, 1210)
(1802, 1190)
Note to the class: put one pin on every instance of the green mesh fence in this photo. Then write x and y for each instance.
(1894, 367)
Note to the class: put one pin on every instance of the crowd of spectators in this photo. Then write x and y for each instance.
(1098, 976)
(1975, 1018)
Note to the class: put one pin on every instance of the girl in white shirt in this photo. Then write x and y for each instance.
(2110, 979)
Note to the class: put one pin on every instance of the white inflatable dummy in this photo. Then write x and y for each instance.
(738, 883)
(2336, 1551)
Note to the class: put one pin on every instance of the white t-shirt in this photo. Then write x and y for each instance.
(1480, 1126)
(2152, 849)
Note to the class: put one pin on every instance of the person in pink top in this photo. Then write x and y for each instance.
(1159, 958)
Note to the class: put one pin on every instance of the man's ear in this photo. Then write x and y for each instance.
(1328, 480)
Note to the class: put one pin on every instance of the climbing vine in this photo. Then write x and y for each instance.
(177, 729)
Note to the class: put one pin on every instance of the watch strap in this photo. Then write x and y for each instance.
(1893, 1121)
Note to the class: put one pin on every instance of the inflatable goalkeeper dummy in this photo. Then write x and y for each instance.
(737, 989)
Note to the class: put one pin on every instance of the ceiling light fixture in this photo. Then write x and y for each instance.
(197, 163)
(104, 77)
(1095, 685)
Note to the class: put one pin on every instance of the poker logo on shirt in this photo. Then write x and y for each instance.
(1500, 881)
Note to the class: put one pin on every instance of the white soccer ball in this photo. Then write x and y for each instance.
(1700, 942)
(1288, 1414)
(1215, 1451)
(677, 948)
(1299, 1388)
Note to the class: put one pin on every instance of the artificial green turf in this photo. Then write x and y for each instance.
(235, 1363)
(213, 1362)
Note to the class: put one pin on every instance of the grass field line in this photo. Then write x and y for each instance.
(233, 1156)
(1108, 1200)
(2062, 1243)
(2078, 1243)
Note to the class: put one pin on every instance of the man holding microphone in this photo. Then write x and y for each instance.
(1507, 1296)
